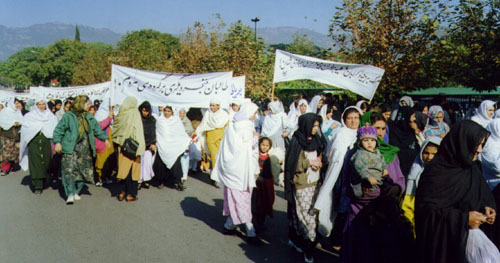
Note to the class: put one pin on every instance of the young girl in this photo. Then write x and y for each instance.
(368, 163)
(265, 183)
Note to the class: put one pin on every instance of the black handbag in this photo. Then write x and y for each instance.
(129, 148)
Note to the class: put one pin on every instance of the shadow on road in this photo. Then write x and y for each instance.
(208, 214)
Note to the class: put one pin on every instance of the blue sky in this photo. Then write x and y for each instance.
(171, 16)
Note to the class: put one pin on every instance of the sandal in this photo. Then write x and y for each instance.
(121, 196)
(131, 198)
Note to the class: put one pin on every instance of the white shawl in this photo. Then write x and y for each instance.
(212, 121)
(313, 105)
(490, 157)
(274, 121)
(343, 139)
(103, 111)
(237, 161)
(171, 139)
(418, 166)
(35, 121)
(482, 114)
(10, 115)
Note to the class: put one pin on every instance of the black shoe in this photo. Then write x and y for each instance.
(145, 185)
(216, 184)
(38, 192)
(180, 187)
(229, 232)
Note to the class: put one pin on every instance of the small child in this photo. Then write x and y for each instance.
(265, 184)
(368, 163)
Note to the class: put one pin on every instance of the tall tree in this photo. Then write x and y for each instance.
(395, 35)
(77, 34)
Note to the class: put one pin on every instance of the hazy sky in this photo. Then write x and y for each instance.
(172, 16)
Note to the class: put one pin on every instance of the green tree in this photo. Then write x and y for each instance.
(148, 49)
(395, 35)
(469, 54)
(95, 66)
(77, 34)
(23, 68)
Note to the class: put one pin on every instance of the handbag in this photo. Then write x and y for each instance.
(129, 148)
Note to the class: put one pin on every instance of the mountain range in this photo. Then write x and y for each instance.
(13, 39)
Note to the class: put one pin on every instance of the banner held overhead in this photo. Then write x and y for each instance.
(175, 89)
(360, 79)
(100, 91)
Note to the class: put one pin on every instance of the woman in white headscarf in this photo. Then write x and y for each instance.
(343, 140)
(211, 128)
(11, 119)
(485, 113)
(293, 119)
(236, 169)
(35, 149)
(171, 141)
(275, 124)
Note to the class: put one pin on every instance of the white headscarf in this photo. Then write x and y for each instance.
(103, 111)
(496, 115)
(213, 120)
(418, 166)
(171, 139)
(293, 118)
(482, 114)
(313, 105)
(10, 115)
(35, 121)
(359, 103)
(274, 121)
(408, 100)
(237, 161)
(343, 139)
(490, 157)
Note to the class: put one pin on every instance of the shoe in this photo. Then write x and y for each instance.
(70, 200)
(38, 192)
(98, 184)
(160, 186)
(131, 198)
(298, 249)
(3, 173)
(121, 196)
(309, 259)
(108, 181)
(229, 232)
(77, 197)
(180, 187)
(216, 184)
(145, 185)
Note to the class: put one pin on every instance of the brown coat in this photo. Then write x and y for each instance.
(125, 164)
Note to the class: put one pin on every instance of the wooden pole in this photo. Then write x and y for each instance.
(272, 93)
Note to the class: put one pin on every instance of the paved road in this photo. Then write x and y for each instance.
(162, 226)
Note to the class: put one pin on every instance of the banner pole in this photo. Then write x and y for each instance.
(272, 93)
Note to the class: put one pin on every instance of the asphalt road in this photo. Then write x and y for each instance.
(164, 225)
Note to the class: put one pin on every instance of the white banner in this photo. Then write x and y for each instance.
(175, 89)
(238, 88)
(6, 95)
(360, 79)
(100, 91)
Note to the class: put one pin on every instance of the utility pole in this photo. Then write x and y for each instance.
(255, 20)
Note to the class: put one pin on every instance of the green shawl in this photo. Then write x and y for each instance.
(388, 151)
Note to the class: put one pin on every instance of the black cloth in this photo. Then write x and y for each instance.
(302, 139)
(403, 136)
(450, 187)
(421, 120)
(163, 175)
(149, 124)
(128, 185)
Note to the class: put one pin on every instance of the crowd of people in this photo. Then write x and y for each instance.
(384, 183)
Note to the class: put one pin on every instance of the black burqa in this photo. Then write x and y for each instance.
(149, 124)
(403, 136)
(450, 187)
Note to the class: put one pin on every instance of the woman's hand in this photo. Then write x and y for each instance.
(334, 126)
(490, 214)
(284, 134)
(152, 147)
(373, 181)
(476, 219)
(108, 144)
(111, 115)
(58, 148)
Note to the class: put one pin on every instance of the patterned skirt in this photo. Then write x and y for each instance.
(305, 220)
(78, 166)
(9, 150)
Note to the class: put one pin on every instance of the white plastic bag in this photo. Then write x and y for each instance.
(480, 249)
